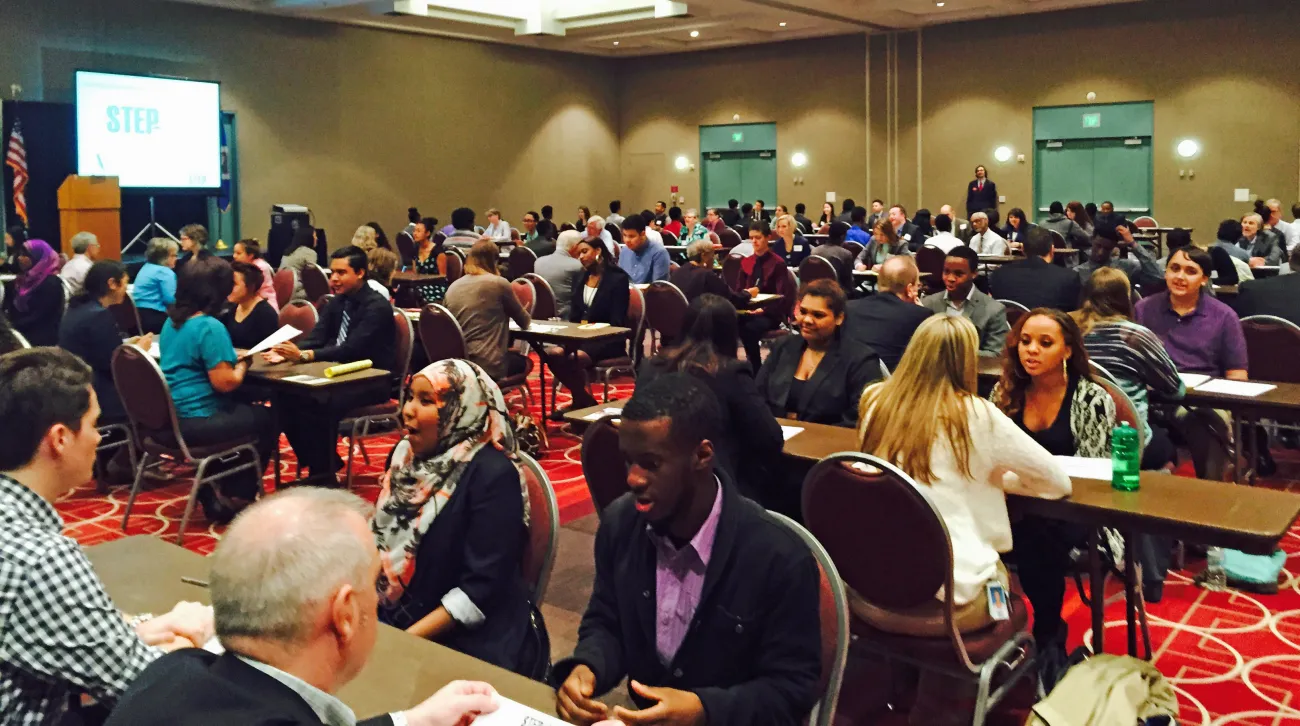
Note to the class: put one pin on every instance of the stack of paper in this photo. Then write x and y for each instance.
(513, 713)
(1235, 388)
(1192, 380)
(1078, 467)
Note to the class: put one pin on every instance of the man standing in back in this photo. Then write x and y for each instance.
(293, 590)
(961, 297)
(643, 259)
(701, 599)
(981, 193)
(1034, 281)
(886, 321)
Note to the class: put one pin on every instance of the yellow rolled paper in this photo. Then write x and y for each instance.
(343, 369)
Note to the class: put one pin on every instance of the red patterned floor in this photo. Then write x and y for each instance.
(1233, 658)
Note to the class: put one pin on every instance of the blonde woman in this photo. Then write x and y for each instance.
(965, 454)
(787, 231)
(365, 238)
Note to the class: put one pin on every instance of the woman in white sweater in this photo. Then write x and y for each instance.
(965, 454)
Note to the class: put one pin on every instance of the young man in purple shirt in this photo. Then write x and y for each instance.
(1201, 335)
(705, 603)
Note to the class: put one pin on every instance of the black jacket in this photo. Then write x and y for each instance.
(89, 331)
(884, 323)
(610, 303)
(371, 331)
(694, 281)
(978, 200)
(39, 323)
(730, 217)
(753, 651)
(476, 544)
(1036, 283)
(1278, 295)
(831, 394)
(750, 444)
(193, 687)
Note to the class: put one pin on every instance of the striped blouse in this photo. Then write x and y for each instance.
(1137, 360)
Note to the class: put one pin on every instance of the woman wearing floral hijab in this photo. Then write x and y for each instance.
(451, 520)
(34, 304)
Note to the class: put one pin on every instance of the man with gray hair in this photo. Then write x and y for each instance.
(984, 240)
(561, 270)
(697, 277)
(85, 250)
(886, 321)
(295, 606)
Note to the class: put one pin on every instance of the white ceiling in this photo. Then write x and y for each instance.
(623, 28)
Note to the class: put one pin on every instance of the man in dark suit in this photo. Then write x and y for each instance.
(905, 229)
(731, 215)
(296, 627)
(847, 212)
(357, 324)
(981, 194)
(885, 322)
(801, 217)
(877, 211)
(706, 603)
(1278, 295)
(1034, 281)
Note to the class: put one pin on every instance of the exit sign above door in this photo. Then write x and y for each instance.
(737, 136)
(1092, 120)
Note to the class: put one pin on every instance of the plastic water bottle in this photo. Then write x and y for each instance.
(1216, 576)
(1126, 458)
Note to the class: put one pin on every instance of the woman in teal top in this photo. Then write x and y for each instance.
(202, 371)
(155, 284)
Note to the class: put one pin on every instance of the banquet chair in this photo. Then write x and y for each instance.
(603, 466)
(543, 528)
(387, 416)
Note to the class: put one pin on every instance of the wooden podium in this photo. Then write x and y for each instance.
(92, 204)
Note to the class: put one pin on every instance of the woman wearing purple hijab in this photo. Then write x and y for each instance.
(34, 304)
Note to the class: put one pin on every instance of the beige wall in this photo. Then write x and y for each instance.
(980, 82)
(357, 124)
(814, 92)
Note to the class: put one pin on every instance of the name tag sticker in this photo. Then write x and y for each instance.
(999, 609)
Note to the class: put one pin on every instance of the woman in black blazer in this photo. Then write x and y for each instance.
(750, 443)
(1018, 226)
(451, 521)
(601, 297)
(818, 375)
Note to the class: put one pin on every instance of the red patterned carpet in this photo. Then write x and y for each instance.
(1233, 658)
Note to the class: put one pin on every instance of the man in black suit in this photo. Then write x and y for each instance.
(847, 213)
(982, 193)
(731, 215)
(1278, 295)
(885, 322)
(801, 217)
(877, 211)
(357, 324)
(905, 229)
(296, 627)
(1034, 281)
(706, 603)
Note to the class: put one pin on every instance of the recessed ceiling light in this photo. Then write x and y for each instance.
(782, 25)
(695, 33)
(616, 42)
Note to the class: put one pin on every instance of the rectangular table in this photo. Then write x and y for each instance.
(568, 336)
(1214, 513)
(143, 574)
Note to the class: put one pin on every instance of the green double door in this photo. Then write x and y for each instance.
(1095, 170)
(741, 175)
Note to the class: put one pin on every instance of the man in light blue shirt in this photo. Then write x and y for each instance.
(642, 259)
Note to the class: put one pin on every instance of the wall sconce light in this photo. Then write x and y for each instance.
(799, 160)
(682, 163)
(1188, 148)
(1002, 154)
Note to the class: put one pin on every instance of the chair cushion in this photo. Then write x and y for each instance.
(165, 444)
(622, 361)
(980, 644)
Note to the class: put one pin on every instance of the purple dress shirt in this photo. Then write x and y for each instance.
(1208, 340)
(679, 581)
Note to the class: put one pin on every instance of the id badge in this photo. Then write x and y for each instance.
(999, 608)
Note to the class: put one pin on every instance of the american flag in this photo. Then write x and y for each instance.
(16, 159)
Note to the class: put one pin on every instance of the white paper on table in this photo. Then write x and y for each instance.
(1082, 468)
(300, 378)
(789, 432)
(1235, 388)
(595, 415)
(513, 713)
(1192, 380)
(283, 335)
(155, 350)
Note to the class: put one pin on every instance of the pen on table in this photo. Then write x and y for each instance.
(193, 581)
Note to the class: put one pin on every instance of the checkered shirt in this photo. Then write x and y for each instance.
(60, 635)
